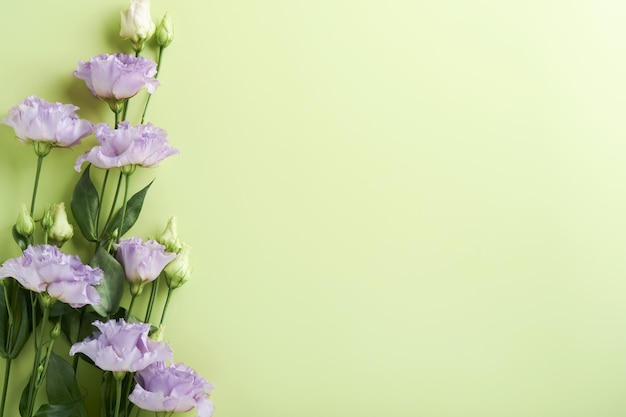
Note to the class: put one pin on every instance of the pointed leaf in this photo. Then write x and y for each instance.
(62, 389)
(21, 240)
(133, 209)
(24, 399)
(111, 288)
(22, 320)
(62, 410)
(13, 338)
(84, 206)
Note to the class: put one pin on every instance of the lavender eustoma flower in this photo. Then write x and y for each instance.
(115, 77)
(35, 119)
(142, 261)
(122, 347)
(44, 268)
(175, 388)
(145, 145)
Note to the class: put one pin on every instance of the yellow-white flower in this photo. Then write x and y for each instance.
(137, 23)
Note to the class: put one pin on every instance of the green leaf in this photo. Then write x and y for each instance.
(62, 410)
(70, 326)
(21, 240)
(133, 209)
(24, 400)
(13, 338)
(62, 389)
(111, 288)
(84, 206)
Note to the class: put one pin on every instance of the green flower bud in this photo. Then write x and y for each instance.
(178, 271)
(56, 330)
(157, 334)
(164, 33)
(24, 225)
(61, 230)
(169, 237)
(48, 219)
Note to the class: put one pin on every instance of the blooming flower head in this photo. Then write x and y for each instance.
(116, 77)
(142, 261)
(122, 347)
(137, 25)
(35, 119)
(144, 145)
(45, 269)
(175, 388)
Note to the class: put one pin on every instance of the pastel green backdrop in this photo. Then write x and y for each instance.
(396, 208)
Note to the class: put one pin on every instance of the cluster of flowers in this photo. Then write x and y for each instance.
(47, 287)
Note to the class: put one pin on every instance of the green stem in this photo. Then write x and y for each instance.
(153, 294)
(5, 290)
(170, 291)
(117, 192)
(158, 67)
(118, 394)
(129, 385)
(37, 174)
(104, 185)
(126, 187)
(124, 111)
(7, 373)
(35, 381)
(130, 307)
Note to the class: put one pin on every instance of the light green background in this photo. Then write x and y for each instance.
(397, 208)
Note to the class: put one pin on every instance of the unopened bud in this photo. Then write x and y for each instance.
(164, 33)
(48, 219)
(178, 271)
(157, 334)
(56, 330)
(169, 237)
(136, 24)
(61, 230)
(24, 225)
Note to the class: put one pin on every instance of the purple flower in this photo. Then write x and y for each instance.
(122, 347)
(35, 119)
(118, 76)
(175, 388)
(145, 145)
(142, 261)
(44, 268)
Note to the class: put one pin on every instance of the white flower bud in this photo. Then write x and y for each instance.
(169, 237)
(61, 230)
(137, 25)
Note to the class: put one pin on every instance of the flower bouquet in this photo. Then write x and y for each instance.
(70, 309)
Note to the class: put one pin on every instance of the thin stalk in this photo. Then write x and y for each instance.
(130, 306)
(118, 394)
(153, 294)
(117, 192)
(158, 67)
(128, 405)
(126, 183)
(5, 384)
(35, 382)
(104, 185)
(37, 174)
(170, 291)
